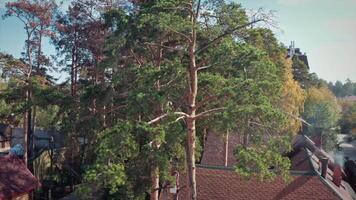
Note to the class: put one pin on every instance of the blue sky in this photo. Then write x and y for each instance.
(324, 29)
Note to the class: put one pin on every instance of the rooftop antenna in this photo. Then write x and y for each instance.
(291, 49)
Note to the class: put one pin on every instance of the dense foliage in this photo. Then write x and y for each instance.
(147, 81)
(343, 89)
(322, 111)
(347, 121)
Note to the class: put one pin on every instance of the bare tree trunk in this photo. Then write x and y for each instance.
(74, 66)
(34, 118)
(27, 114)
(29, 132)
(245, 139)
(154, 183)
(158, 111)
(191, 134)
(25, 137)
(73, 72)
(33, 126)
(226, 148)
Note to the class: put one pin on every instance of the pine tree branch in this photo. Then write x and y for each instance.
(167, 47)
(182, 114)
(205, 67)
(136, 57)
(179, 33)
(209, 112)
(198, 9)
(298, 118)
(205, 100)
(226, 34)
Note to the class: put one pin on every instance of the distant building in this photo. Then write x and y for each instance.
(44, 140)
(295, 52)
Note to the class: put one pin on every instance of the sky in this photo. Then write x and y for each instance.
(324, 29)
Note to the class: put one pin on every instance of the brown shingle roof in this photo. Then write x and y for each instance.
(15, 179)
(214, 153)
(216, 184)
(214, 150)
(302, 160)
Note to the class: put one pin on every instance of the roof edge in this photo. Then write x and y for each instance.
(292, 172)
(328, 184)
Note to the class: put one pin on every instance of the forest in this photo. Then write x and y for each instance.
(146, 81)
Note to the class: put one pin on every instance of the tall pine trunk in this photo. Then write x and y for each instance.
(25, 137)
(154, 182)
(158, 111)
(191, 134)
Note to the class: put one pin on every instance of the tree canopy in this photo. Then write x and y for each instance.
(147, 81)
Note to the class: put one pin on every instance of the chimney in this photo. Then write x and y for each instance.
(226, 148)
(337, 176)
(324, 166)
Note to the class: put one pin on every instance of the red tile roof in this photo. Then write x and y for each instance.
(209, 181)
(214, 153)
(216, 184)
(15, 179)
(214, 150)
(300, 161)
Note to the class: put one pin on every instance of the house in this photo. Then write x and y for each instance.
(313, 175)
(16, 181)
(43, 139)
(295, 52)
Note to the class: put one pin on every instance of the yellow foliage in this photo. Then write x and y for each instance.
(321, 107)
(293, 97)
(42, 165)
(320, 94)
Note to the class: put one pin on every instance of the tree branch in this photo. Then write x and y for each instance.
(257, 124)
(183, 115)
(198, 8)
(167, 47)
(226, 34)
(205, 67)
(209, 112)
(298, 118)
(136, 57)
(205, 100)
(179, 33)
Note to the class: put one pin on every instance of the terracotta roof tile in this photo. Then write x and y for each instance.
(214, 153)
(214, 150)
(214, 184)
(300, 161)
(225, 184)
